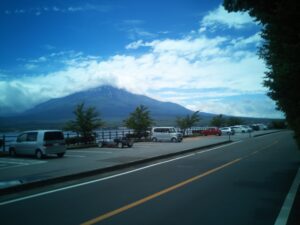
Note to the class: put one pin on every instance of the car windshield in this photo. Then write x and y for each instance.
(172, 130)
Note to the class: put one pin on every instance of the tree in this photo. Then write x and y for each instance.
(86, 121)
(234, 121)
(218, 121)
(139, 120)
(188, 121)
(280, 50)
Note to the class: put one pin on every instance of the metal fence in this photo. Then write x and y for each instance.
(71, 137)
(7, 140)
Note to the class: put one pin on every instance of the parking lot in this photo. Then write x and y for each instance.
(28, 169)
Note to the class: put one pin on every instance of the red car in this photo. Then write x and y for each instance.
(211, 131)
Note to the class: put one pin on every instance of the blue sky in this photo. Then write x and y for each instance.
(190, 52)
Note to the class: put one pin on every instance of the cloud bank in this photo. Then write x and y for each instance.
(197, 71)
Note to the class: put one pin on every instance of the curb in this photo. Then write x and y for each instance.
(70, 177)
(259, 135)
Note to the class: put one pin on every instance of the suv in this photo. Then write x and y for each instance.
(165, 134)
(211, 131)
(39, 143)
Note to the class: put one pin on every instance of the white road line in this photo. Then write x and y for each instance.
(75, 156)
(97, 152)
(110, 177)
(288, 202)
(20, 165)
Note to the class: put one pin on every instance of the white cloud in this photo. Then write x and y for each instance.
(135, 44)
(188, 63)
(70, 9)
(165, 70)
(220, 16)
(30, 66)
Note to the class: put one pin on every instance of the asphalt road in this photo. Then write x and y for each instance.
(240, 183)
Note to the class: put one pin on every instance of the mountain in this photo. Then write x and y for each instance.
(113, 104)
(110, 102)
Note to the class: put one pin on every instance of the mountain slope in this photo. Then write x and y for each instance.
(110, 102)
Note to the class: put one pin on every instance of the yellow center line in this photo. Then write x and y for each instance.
(157, 194)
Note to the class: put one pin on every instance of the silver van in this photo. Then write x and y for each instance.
(39, 143)
(165, 134)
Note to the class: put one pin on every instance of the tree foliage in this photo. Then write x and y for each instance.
(139, 120)
(86, 121)
(280, 50)
(188, 121)
(218, 121)
(231, 121)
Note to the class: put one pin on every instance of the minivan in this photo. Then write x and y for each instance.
(39, 143)
(165, 134)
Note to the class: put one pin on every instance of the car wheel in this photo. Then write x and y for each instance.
(154, 139)
(59, 155)
(39, 154)
(12, 152)
(130, 144)
(120, 145)
(100, 144)
(174, 140)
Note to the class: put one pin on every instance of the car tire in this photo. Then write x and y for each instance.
(60, 155)
(39, 154)
(174, 140)
(12, 152)
(154, 139)
(120, 145)
(130, 144)
(100, 144)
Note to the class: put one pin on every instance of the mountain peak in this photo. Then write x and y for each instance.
(109, 101)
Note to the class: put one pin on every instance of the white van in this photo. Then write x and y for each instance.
(165, 134)
(39, 143)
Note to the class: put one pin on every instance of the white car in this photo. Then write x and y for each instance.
(165, 134)
(248, 128)
(227, 130)
(239, 129)
(39, 143)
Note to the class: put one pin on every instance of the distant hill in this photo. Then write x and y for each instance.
(113, 104)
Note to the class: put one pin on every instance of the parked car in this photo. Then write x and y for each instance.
(255, 127)
(248, 128)
(39, 143)
(119, 142)
(259, 126)
(165, 134)
(227, 130)
(262, 126)
(211, 131)
(239, 129)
